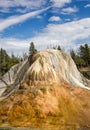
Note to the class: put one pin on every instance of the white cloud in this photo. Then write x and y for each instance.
(54, 18)
(65, 35)
(17, 46)
(23, 6)
(31, 3)
(87, 6)
(60, 3)
(27, 4)
(69, 10)
(24, 3)
(19, 19)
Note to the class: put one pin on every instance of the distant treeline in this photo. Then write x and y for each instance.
(7, 61)
(82, 58)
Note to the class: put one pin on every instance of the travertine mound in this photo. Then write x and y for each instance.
(48, 66)
(51, 91)
(55, 66)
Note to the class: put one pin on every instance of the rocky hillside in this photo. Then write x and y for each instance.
(50, 91)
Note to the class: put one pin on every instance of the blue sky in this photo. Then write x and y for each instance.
(45, 22)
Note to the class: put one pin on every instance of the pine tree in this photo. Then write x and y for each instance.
(84, 52)
(58, 48)
(72, 53)
(77, 59)
(32, 51)
(6, 61)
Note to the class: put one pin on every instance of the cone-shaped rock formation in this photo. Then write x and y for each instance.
(49, 91)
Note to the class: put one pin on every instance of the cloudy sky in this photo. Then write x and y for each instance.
(45, 22)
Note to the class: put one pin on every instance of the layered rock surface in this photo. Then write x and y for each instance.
(12, 79)
(50, 89)
(53, 65)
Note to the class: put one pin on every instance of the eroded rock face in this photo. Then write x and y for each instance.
(51, 88)
(13, 77)
(48, 66)
(55, 66)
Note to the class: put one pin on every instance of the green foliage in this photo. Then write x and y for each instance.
(32, 51)
(77, 59)
(6, 61)
(84, 52)
(86, 74)
(57, 47)
(14, 60)
(82, 59)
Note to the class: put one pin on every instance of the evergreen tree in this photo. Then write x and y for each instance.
(59, 48)
(32, 51)
(14, 59)
(72, 53)
(82, 59)
(77, 59)
(84, 52)
(6, 61)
